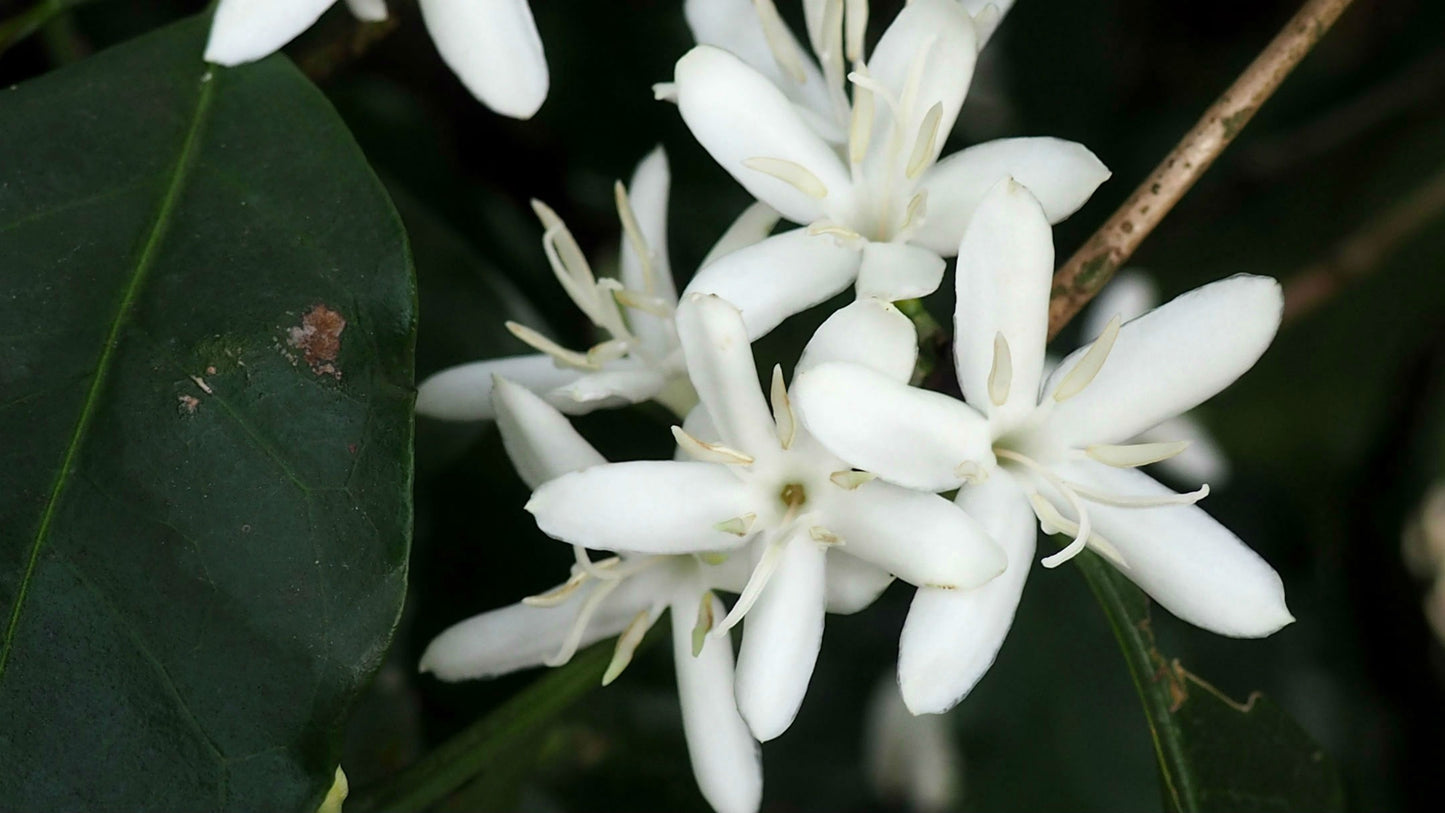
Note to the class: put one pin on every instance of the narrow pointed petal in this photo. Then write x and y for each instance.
(1061, 174)
(783, 275)
(895, 271)
(646, 506)
(464, 392)
(737, 115)
(853, 584)
(1169, 360)
(946, 30)
(372, 11)
(1005, 272)
(1182, 557)
(607, 388)
(541, 442)
(870, 332)
(725, 760)
(921, 538)
(1129, 295)
(520, 637)
(247, 30)
(912, 437)
(749, 228)
(1203, 462)
(494, 48)
(720, 363)
(781, 637)
(951, 637)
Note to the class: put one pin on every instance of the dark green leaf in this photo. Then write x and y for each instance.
(205, 478)
(1215, 754)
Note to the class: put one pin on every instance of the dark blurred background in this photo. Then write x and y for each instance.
(1335, 437)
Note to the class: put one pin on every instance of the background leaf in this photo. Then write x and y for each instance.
(1214, 753)
(206, 334)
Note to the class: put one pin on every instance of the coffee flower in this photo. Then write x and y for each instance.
(640, 359)
(619, 596)
(862, 172)
(491, 45)
(1022, 447)
(760, 487)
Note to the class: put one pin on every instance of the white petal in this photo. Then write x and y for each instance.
(1170, 360)
(648, 192)
(725, 759)
(783, 275)
(749, 228)
(870, 332)
(921, 538)
(853, 584)
(520, 636)
(494, 48)
(542, 443)
(734, 26)
(372, 11)
(947, 32)
(894, 271)
(913, 437)
(464, 392)
(720, 363)
(645, 506)
(1005, 273)
(1182, 557)
(781, 636)
(1061, 174)
(246, 30)
(608, 387)
(952, 636)
(737, 115)
(1129, 295)
(1203, 462)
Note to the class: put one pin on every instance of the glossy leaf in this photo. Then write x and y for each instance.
(1214, 753)
(206, 335)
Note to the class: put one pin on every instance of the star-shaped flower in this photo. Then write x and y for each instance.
(640, 359)
(491, 45)
(879, 207)
(761, 487)
(619, 596)
(1023, 447)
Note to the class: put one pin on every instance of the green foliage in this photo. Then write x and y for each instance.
(1214, 753)
(206, 333)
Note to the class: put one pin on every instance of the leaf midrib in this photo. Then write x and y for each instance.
(180, 172)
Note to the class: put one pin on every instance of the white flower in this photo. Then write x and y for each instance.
(1128, 295)
(913, 760)
(491, 45)
(879, 207)
(640, 359)
(621, 596)
(765, 489)
(1049, 448)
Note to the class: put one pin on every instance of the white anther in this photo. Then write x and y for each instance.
(925, 142)
(914, 214)
(850, 479)
(757, 580)
(857, 28)
(558, 595)
(579, 626)
(971, 471)
(1001, 375)
(791, 173)
(780, 41)
(1133, 455)
(627, 644)
(860, 124)
(664, 92)
(537, 341)
(709, 452)
(787, 425)
(645, 258)
(704, 623)
(1083, 373)
(1126, 501)
(824, 536)
(655, 305)
(738, 526)
(841, 233)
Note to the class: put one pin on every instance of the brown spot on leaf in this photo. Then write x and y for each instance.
(188, 404)
(318, 337)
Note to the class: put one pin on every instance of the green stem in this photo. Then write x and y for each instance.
(472, 752)
(932, 338)
(32, 19)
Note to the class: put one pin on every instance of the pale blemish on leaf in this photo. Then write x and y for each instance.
(318, 337)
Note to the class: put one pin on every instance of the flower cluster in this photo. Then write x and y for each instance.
(810, 496)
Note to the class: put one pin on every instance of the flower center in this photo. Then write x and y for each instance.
(793, 496)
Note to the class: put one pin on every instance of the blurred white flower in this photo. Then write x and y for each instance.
(1424, 551)
(759, 486)
(1024, 446)
(640, 359)
(491, 45)
(912, 760)
(621, 596)
(861, 171)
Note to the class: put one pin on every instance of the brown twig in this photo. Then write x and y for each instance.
(1079, 279)
(1365, 249)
